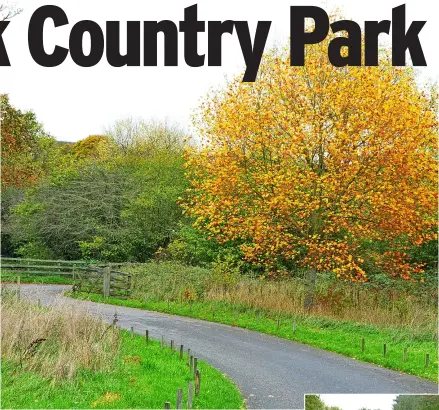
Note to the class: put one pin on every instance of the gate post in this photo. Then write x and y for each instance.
(106, 284)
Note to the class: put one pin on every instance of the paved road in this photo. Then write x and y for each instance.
(270, 372)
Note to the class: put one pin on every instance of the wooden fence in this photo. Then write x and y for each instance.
(85, 277)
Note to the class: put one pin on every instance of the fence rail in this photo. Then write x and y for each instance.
(90, 278)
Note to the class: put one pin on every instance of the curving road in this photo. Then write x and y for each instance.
(270, 372)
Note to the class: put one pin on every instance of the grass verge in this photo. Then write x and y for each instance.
(145, 376)
(46, 279)
(344, 337)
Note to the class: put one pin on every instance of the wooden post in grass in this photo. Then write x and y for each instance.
(427, 359)
(197, 383)
(106, 283)
(191, 364)
(385, 349)
(167, 405)
(195, 366)
(18, 286)
(181, 352)
(362, 344)
(132, 332)
(404, 359)
(179, 401)
(172, 347)
(147, 336)
(188, 356)
(190, 394)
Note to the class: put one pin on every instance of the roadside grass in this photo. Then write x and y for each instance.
(7, 277)
(83, 363)
(145, 376)
(343, 337)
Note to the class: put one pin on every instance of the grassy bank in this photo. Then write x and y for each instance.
(340, 336)
(83, 363)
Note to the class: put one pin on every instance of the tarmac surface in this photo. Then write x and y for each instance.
(270, 372)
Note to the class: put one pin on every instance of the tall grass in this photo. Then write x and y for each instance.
(56, 342)
(388, 307)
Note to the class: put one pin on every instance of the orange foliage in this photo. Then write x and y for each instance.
(307, 162)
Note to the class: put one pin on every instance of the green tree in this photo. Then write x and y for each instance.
(116, 208)
(413, 402)
(314, 402)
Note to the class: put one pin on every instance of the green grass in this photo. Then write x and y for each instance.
(145, 377)
(342, 337)
(38, 279)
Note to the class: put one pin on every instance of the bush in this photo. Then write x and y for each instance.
(169, 281)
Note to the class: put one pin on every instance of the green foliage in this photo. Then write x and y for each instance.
(119, 211)
(314, 402)
(226, 271)
(26, 150)
(10, 197)
(169, 281)
(192, 247)
(412, 402)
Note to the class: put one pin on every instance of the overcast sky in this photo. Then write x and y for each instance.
(73, 102)
(357, 401)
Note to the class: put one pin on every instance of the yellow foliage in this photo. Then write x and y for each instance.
(308, 161)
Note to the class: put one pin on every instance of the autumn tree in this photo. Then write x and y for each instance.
(310, 164)
(20, 136)
(93, 147)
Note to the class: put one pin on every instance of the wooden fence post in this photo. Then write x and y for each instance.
(191, 366)
(179, 400)
(18, 286)
(132, 333)
(385, 349)
(188, 356)
(190, 394)
(362, 344)
(181, 352)
(197, 383)
(195, 366)
(106, 283)
(172, 347)
(167, 405)
(147, 336)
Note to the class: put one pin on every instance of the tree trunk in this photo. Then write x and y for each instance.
(310, 285)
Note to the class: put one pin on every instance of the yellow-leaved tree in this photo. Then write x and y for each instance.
(309, 163)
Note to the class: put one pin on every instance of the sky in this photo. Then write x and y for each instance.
(357, 401)
(73, 102)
